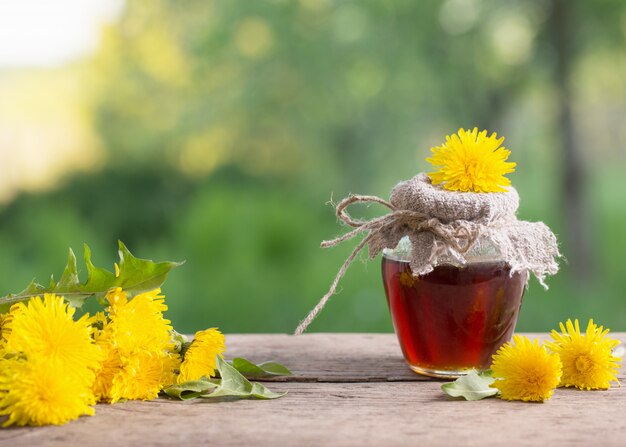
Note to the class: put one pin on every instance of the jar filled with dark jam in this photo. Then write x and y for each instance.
(454, 318)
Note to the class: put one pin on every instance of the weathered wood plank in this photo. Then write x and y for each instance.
(327, 357)
(346, 414)
(346, 357)
(332, 401)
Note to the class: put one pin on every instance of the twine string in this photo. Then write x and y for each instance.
(458, 236)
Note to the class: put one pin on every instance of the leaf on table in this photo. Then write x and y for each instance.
(275, 369)
(262, 392)
(230, 384)
(190, 390)
(265, 369)
(473, 386)
(135, 276)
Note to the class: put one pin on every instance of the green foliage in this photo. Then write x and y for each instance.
(135, 276)
(265, 369)
(252, 250)
(473, 386)
(231, 384)
(222, 147)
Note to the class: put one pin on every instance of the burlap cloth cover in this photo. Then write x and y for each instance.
(447, 227)
(485, 216)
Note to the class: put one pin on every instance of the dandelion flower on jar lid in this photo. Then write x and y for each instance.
(471, 161)
(200, 358)
(525, 370)
(588, 361)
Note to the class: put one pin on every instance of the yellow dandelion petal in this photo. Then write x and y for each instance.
(138, 323)
(42, 392)
(588, 361)
(471, 161)
(524, 370)
(142, 376)
(99, 320)
(4, 329)
(200, 358)
(116, 297)
(45, 328)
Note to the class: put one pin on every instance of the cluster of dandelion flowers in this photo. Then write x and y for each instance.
(48, 363)
(140, 358)
(588, 361)
(201, 355)
(471, 161)
(525, 370)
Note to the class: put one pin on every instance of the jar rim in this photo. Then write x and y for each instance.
(483, 252)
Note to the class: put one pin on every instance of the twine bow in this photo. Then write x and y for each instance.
(458, 236)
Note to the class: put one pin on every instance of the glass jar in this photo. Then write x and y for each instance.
(454, 318)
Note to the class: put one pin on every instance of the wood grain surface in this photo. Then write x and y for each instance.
(347, 390)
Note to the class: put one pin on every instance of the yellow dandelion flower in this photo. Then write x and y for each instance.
(136, 341)
(471, 161)
(138, 323)
(111, 366)
(142, 376)
(41, 392)
(524, 370)
(45, 328)
(200, 358)
(587, 358)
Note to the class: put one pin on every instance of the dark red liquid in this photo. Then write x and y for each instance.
(453, 318)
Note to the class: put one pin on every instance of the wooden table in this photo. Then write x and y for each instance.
(347, 390)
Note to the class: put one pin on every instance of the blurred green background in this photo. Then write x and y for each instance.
(217, 131)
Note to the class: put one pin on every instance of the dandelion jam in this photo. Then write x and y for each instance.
(457, 230)
(454, 318)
